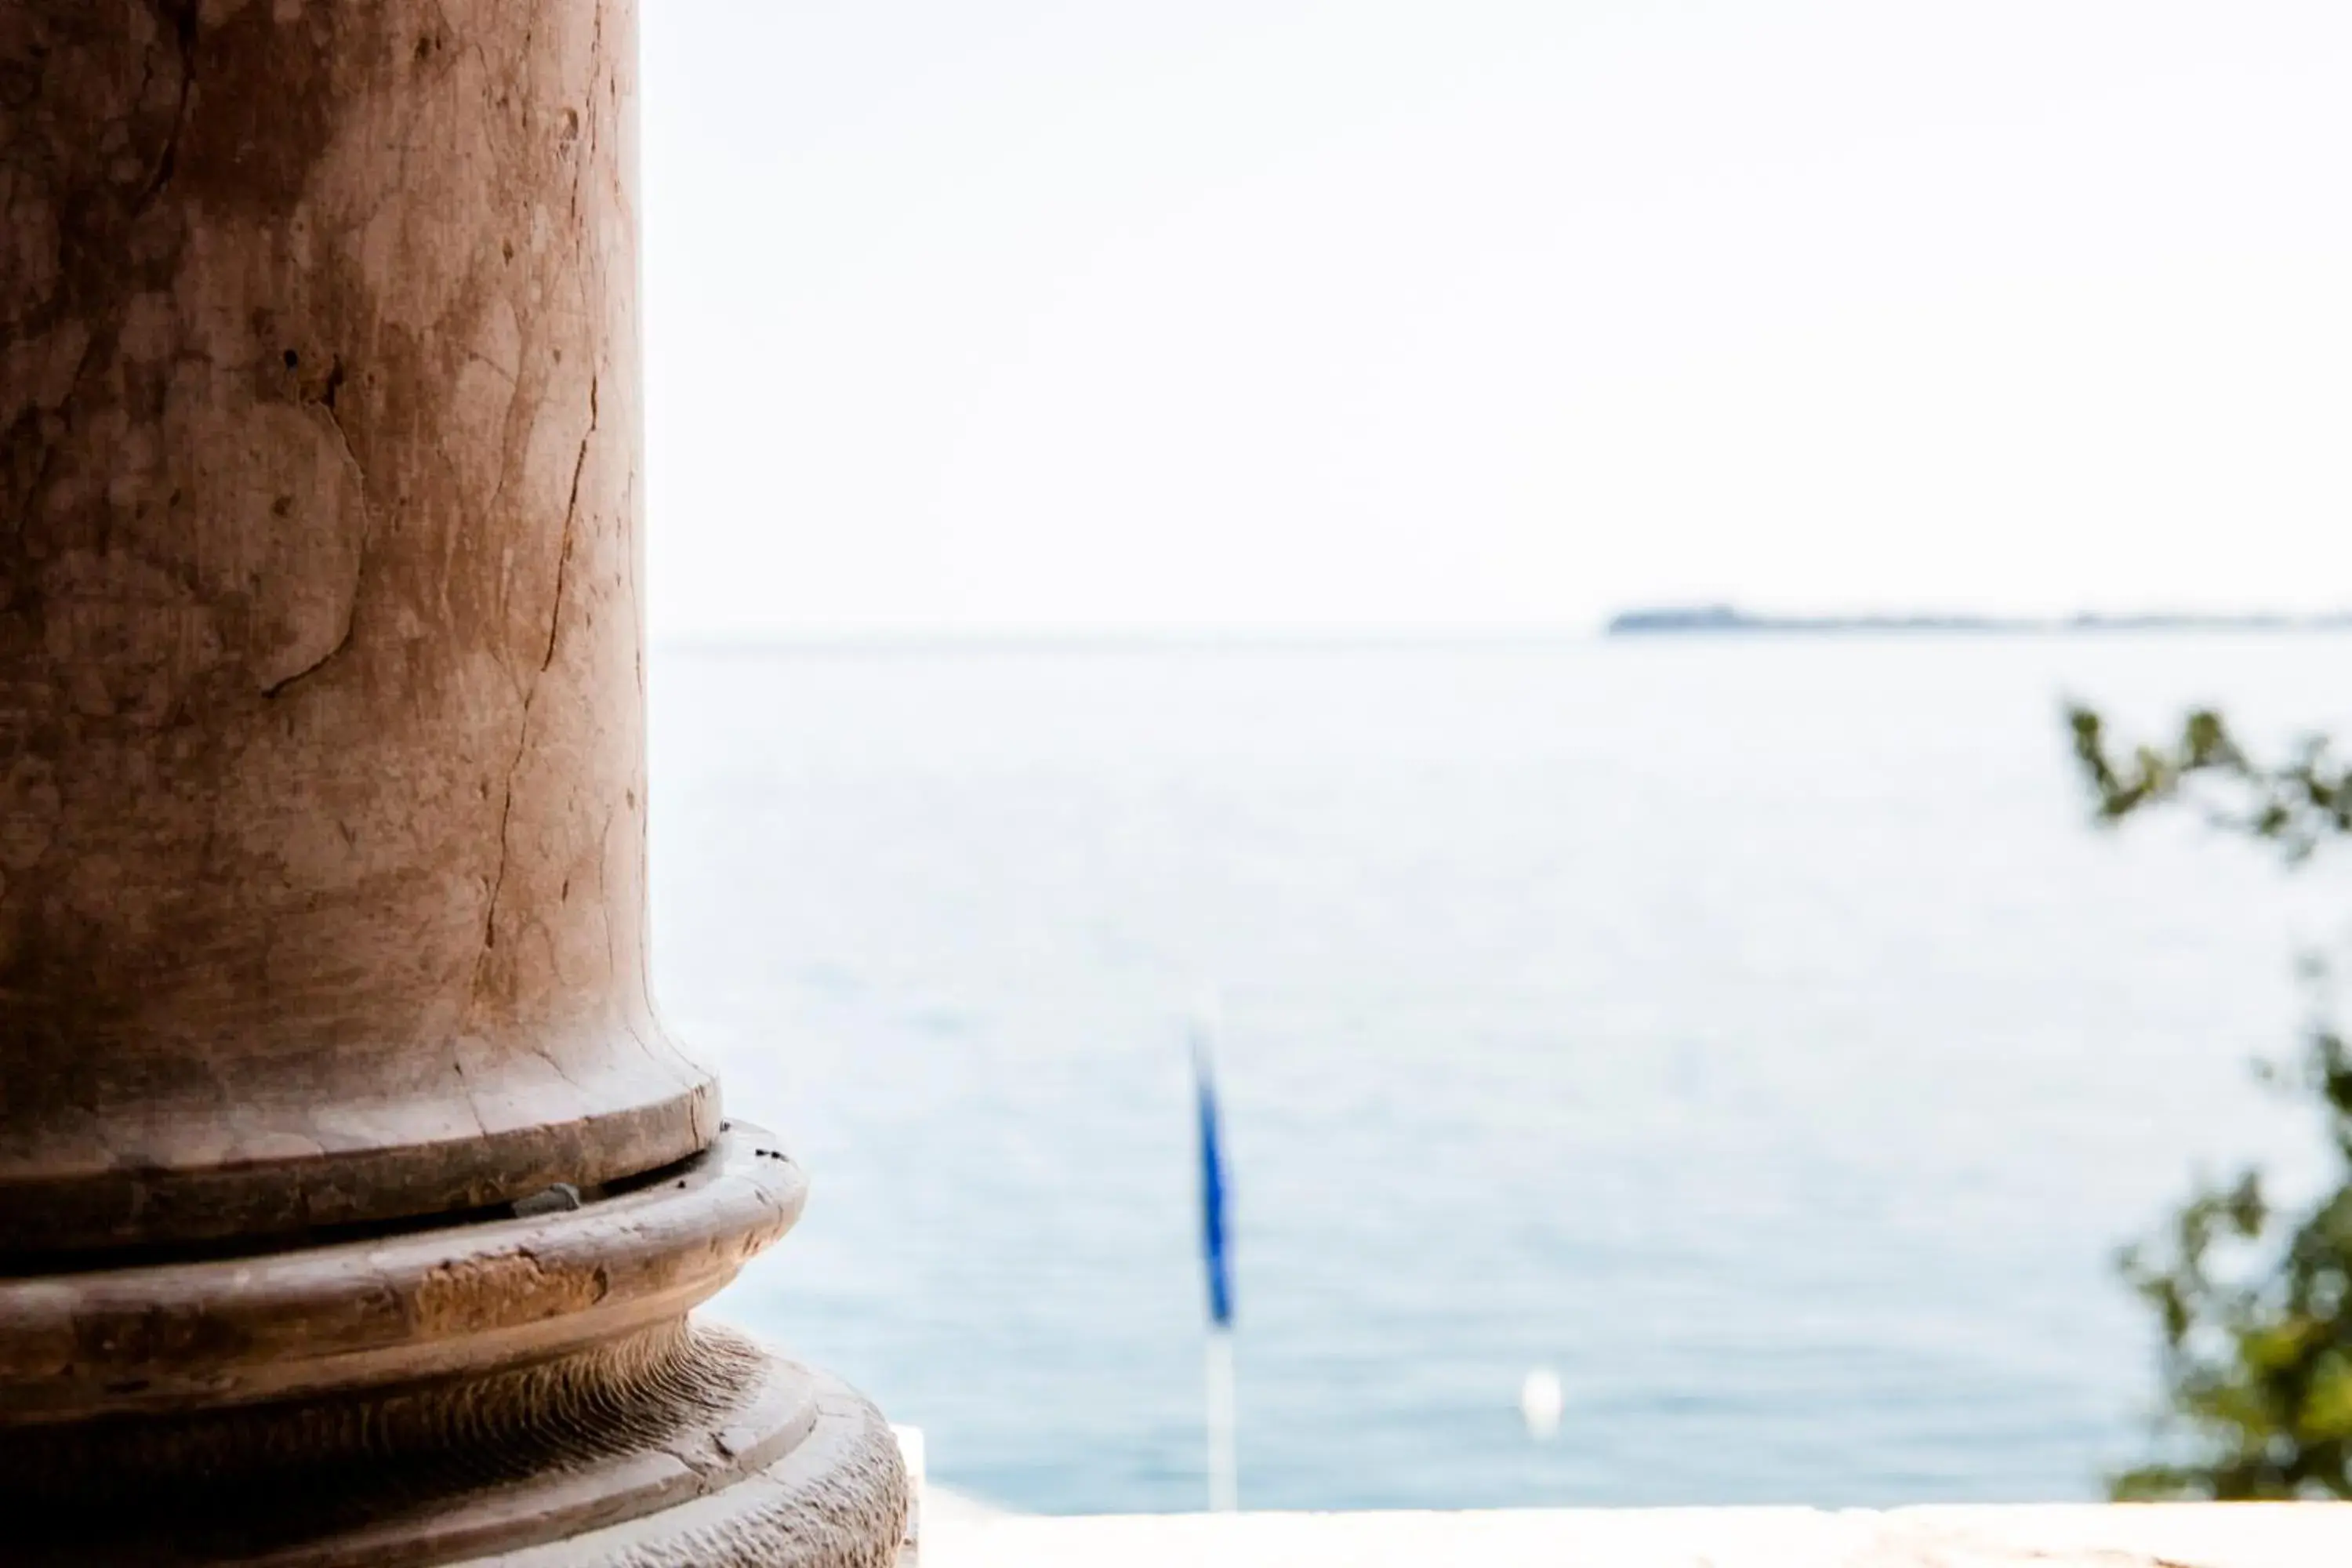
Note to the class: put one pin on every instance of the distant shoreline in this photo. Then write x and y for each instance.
(1632, 624)
(1707, 620)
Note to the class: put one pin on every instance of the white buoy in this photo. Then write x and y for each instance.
(1541, 1401)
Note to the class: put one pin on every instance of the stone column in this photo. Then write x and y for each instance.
(352, 1196)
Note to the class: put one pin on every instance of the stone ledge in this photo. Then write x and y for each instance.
(2170, 1535)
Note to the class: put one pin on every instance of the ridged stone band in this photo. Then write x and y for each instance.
(517, 1390)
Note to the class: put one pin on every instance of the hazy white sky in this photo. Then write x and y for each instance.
(1017, 314)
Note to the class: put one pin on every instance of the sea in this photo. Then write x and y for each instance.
(1754, 1031)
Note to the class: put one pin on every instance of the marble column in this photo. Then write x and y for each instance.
(352, 1198)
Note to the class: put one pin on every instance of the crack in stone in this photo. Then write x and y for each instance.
(326, 401)
(465, 1086)
(351, 615)
(603, 893)
(499, 878)
(548, 1056)
(49, 449)
(146, 80)
(588, 131)
(522, 736)
(184, 23)
(563, 558)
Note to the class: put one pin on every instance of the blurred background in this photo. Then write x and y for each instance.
(1136, 494)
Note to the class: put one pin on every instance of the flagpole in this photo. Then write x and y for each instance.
(1224, 1482)
(1225, 1479)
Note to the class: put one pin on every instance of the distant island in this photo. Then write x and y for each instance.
(1710, 619)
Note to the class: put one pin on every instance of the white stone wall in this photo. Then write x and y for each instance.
(2242, 1535)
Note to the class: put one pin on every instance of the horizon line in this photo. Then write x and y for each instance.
(916, 639)
(1913, 626)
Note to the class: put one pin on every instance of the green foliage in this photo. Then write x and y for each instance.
(2297, 804)
(2254, 1305)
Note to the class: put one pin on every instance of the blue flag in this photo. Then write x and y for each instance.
(1213, 1235)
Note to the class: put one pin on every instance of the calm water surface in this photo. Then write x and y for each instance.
(1749, 1030)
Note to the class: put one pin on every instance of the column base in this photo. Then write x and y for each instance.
(689, 1445)
(528, 1391)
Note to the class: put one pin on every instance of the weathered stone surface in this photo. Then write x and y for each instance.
(322, 790)
(167, 1338)
(676, 1444)
(352, 1200)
